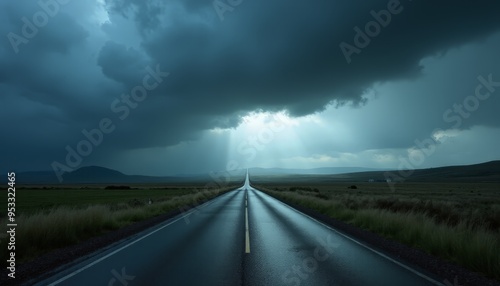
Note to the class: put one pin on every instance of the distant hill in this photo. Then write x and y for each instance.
(489, 171)
(89, 175)
(95, 174)
(485, 172)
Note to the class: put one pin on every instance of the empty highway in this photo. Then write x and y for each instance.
(243, 237)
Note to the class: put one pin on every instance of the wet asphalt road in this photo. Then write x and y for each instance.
(243, 237)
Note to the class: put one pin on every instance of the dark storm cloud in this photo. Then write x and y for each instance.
(286, 54)
(268, 55)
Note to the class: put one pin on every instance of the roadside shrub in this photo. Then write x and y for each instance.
(117, 188)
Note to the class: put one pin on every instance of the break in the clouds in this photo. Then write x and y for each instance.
(185, 86)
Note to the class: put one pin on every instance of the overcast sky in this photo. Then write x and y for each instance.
(190, 86)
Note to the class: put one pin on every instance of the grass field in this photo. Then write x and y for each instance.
(34, 200)
(51, 218)
(457, 222)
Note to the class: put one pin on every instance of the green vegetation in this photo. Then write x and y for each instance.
(48, 219)
(34, 200)
(457, 222)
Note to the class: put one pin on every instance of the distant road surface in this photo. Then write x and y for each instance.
(243, 237)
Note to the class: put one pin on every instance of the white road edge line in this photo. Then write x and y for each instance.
(433, 281)
(122, 248)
